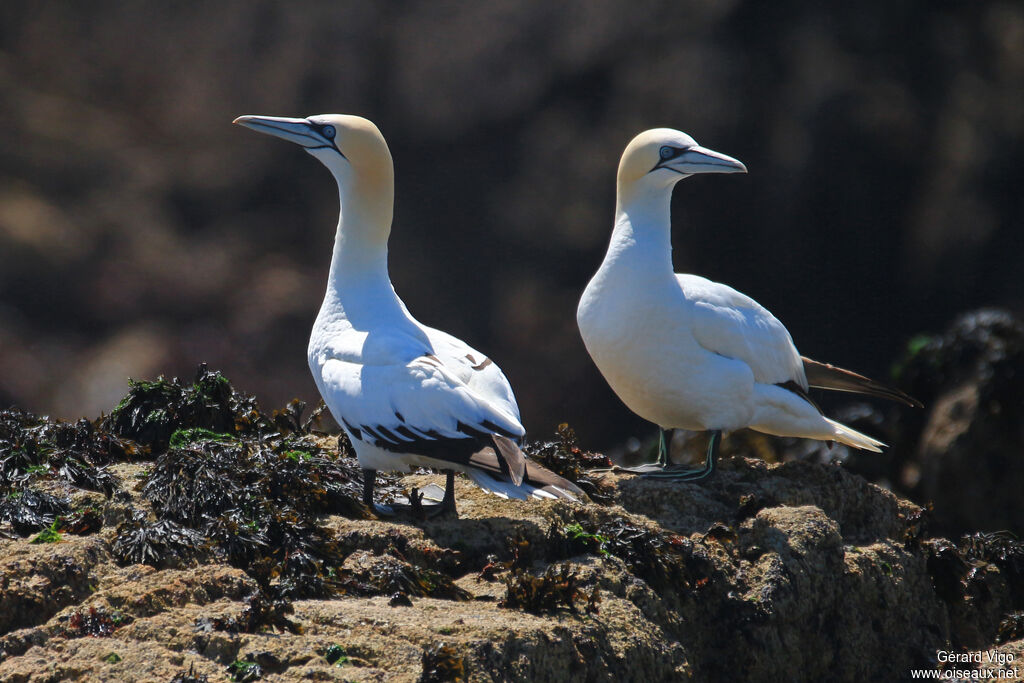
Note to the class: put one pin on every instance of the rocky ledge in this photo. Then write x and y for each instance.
(190, 537)
(787, 572)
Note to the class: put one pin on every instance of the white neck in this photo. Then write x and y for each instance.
(642, 237)
(358, 286)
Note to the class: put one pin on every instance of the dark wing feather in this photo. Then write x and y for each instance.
(495, 454)
(826, 376)
(534, 474)
(513, 457)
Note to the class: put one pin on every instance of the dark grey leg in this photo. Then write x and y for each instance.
(680, 473)
(658, 465)
(369, 479)
(663, 446)
(447, 503)
(416, 504)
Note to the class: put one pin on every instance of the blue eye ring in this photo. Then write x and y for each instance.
(328, 132)
(666, 152)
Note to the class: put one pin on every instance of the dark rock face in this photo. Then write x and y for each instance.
(968, 458)
(820, 573)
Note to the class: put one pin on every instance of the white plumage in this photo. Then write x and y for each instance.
(683, 351)
(406, 394)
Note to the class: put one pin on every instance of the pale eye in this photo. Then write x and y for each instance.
(327, 132)
(667, 152)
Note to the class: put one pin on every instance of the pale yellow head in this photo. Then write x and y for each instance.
(342, 142)
(659, 158)
(355, 152)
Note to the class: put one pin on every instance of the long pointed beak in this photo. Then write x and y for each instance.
(703, 160)
(299, 131)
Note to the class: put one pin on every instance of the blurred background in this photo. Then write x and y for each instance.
(141, 233)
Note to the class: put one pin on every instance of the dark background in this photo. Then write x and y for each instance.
(141, 233)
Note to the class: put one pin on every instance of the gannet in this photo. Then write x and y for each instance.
(406, 395)
(683, 351)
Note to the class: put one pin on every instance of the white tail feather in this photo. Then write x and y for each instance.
(507, 489)
(851, 437)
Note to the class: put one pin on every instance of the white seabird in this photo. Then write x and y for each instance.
(683, 351)
(406, 394)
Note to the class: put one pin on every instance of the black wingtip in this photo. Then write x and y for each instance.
(827, 376)
(513, 457)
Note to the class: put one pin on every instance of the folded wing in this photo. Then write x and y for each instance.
(422, 408)
(733, 325)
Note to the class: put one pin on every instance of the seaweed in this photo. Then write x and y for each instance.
(386, 574)
(335, 654)
(183, 437)
(304, 574)
(442, 662)
(961, 570)
(1010, 628)
(260, 614)
(657, 557)
(190, 677)
(399, 599)
(50, 535)
(153, 411)
(20, 448)
(244, 670)
(29, 510)
(255, 502)
(582, 540)
(235, 538)
(557, 587)
(231, 481)
(95, 622)
(289, 420)
(102, 447)
(82, 473)
(33, 446)
(162, 543)
(1004, 550)
(664, 559)
(316, 483)
(81, 522)
(194, 483)
(207, 477)
(564, 457)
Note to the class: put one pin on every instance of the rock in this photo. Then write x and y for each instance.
(964, 453)
(261, 563)
(36, 581)
(798, 571)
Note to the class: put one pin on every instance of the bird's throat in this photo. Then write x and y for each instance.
(642, 237)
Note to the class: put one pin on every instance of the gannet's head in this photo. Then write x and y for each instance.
(661, 157)
(348, 145)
